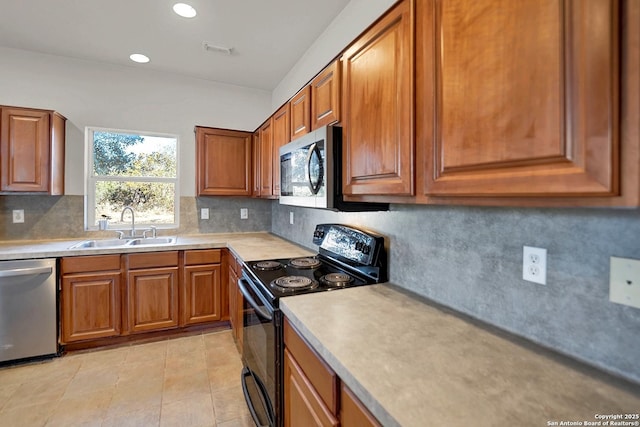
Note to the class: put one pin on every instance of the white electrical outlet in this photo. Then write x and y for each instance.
(624, 281)
(204, 213)
(291, 218)
(244, 213)
(18, 216)
(534, 264)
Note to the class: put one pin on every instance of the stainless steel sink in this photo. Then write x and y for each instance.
(153, 241)
(115, 243)
(106, 243)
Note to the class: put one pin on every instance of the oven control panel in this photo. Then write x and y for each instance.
(347, 242)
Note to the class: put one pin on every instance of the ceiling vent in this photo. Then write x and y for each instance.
(213, 48)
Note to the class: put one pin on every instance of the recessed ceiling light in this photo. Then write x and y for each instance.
(138, 57)
(184, 10)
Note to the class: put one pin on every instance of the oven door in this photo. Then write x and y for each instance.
(259, 354)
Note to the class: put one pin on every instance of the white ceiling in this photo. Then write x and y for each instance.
(267, 36)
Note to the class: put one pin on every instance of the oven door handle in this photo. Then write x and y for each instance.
(242, 284)
(263, 392)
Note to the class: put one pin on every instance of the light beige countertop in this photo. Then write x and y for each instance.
(248, 246)
(415, 364)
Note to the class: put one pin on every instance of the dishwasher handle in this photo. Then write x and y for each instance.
(30, 271)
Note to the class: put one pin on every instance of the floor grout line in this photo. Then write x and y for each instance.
(88, 378)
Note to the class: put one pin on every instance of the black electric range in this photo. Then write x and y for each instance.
(346, 257)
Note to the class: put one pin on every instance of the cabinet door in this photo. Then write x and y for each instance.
(325, 96)
(223, 161)
(153, 299)
(236, 302)
(526, 98)
(378, 107)
(90, 306)
(352, 412)
(255, 159)
(201, 294)
(266, 162)
(302, 404)
(301, 113)
(234, 318)
(281, 136)
(25, 150)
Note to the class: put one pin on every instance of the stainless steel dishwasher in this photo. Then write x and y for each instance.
(28, 309)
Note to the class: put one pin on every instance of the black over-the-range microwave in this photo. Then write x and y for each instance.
(311, 173)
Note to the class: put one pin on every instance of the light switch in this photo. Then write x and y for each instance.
(624, 281)
(204, 213)
(244, 213)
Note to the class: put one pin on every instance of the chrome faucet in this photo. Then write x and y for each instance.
(133, 219)
(153, 230)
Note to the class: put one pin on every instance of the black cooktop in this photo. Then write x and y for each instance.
(283, 277)
(347, 257)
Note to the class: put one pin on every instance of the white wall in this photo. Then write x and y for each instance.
(353, 19)
(91, 94)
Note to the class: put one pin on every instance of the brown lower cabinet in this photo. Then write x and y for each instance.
(313, 393)
(108, 296)
(202, 287)
(90, 297)
(353, 412)
(236, 300)
(152, 291)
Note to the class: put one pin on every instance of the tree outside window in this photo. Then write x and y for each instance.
(137, 169)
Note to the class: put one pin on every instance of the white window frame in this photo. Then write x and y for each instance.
(90, 179)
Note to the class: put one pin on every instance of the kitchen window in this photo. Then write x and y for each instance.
(131, 168)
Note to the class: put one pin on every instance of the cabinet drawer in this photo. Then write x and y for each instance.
(324, 380)
(85, 264)
(153, 259)
(235, 263)
(205, 256)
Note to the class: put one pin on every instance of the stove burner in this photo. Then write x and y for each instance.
(305, 262)
(267, 265)
(293, 283)
(336, 279)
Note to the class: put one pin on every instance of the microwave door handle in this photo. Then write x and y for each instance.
(314, 186)
(252, 302)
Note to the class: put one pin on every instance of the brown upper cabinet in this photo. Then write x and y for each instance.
(525, 101)
(325, 96)
(223, 162)
(255, 156)
(281, 136)
(300, 106)
(31, 151)
(265, 157)
(378, 107)
(482, 102)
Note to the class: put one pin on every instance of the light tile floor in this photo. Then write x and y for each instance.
(192, 381)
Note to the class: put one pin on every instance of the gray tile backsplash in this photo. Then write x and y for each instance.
(470, 259)
(48, 217)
